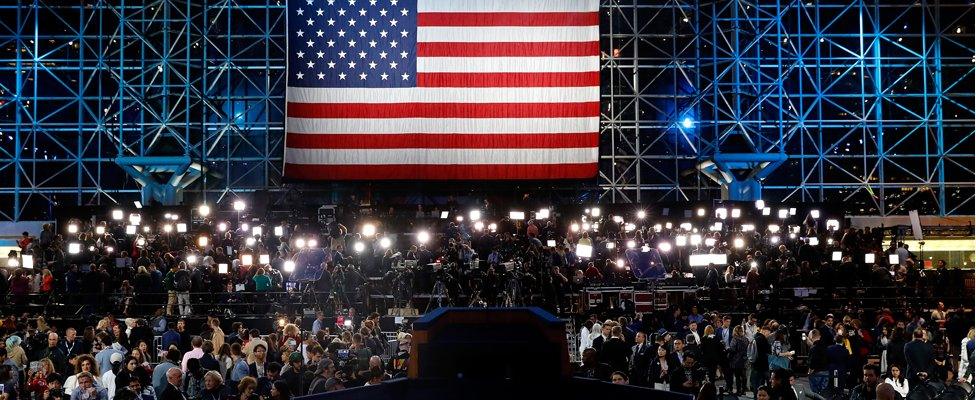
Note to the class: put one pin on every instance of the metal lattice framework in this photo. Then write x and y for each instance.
(872, 101)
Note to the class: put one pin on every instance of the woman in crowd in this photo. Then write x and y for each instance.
(897, 381)
(38, 381)
(280, 391)
(245, 389)
(658, 374)
(712, 353)
(15, 352)
(213, 387)
(84, 363)
(131, 367)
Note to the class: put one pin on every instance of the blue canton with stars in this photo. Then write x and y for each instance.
(352, 43)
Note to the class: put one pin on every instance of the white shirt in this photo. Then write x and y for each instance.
(585, 340)
(108, 382)
(902, 388)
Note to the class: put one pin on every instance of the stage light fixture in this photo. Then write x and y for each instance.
(250, 241)
(74, 248)
(479, 226)
(191, 259)
(137, 203)
(118, 215)
(203, 210)
(584, 250)
(774, 239)
(239, 205)
(664, 247)
(385, 243)
(423, 237)
(641, 214)
(167, 228)
(710, 242)
(869, 258)
(836, 256)
(140, 242)
(814, 214)
(279, 231)
(696, 240)
(203, 241)
(474, 215)
(264, 259)
(620, 263)
(774, 228)
(445, 214)
(369, 230)
(135, 219)
(28, 260)
(72, 228)
(893, 259)
(738, 243)
(760, 204)
(595, 211)
(222, 268)
(687, 123)
(657, 227)
(542, 214)
(100, 230)
(736, 213)
(701, 212)
(550, 243)
(289, 266)
(181, 227)
(618, 219)
(313, 242)
(833, 224)
(247, 259)
(722, 213)
(631, 244)
(492, 227)
(681, 240)
(359, 247)
(574, 227)
(300, 243)
(766, 211)
(517, 215)
(783, 213)
(748, 227)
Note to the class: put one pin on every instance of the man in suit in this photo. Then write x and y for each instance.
(604, 335)
(174, 380)
(760, 367)
(677, 356)
(640, 359)
(918, 356)
(614, 351)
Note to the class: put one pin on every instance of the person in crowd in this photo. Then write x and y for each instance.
(640, 359)
(919, 355)
(658, 373)
(174, 382)
(619, 378)
(687, 377)
(86, 389)
(897, 380)
(591, 367)
(172, 360)
(84, 363)
(738, 354)
(214, 388)
(867, 389)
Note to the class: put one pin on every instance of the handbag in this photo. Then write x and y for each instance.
(778, 362)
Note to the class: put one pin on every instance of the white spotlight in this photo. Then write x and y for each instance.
(279, 231)
(28, 260)
(100, 230)
(542, 214)
(766, 211)
(239, 205)
(736, 213)
(620, 263)
(203, 210)
(681, 240)
(584, 251)
(474, 215)
(611, 245)
(359, 247)
(748, 227)
(250, 241)
(814, 214)
(701, 212)
(517, 215)
(264, 259)
(595, 211)
(722, 213)
(181, 227)
(135, 219)
(167, 228)
(774, 228)
(664, 247)
(72, 228)
(479, 226)
(641, 214)
(869, 258)
(631, 244)
(696, 239)
(783, 213)
(774, 239)
(385, 243)
(203, 241)
(738, 243)
(313, 243)
(574, 227)
(257, 231)
(74, 248)
(222, 227)
(289, 266)
(247, 259)
(118, 215)
(369, 230)
(833, 224)
(191, 259)
(709, 242)
(618, 219)
(760, 204)
(423, 237)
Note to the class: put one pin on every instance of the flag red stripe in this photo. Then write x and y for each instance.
(443, 110)
(508, 79)
(441, 172)
(443, 141)
(507, 49)
(508, 19)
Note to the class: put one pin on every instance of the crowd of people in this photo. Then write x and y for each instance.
(148, 271)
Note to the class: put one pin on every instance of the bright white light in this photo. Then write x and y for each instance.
(221, 268)
(618, 219)
(279, 231)
(250, 241)
(100, 230)
(681, 240)
(792, 236)
(716, 227)
(736, 213)
(146, 229)
(264, 259)
(814, 214)
(836, 256)
(109, 249)
(584, 250)
(13, 262)
(135, 219)
(722, 213)
(222, 227)
(813, 241)
(359, 247)
(203, 241)
(74, 248)
(620, 263)
(774, 228)
(474, 215)
(313, 243)
(586, 226)
(629, 227)
(239, 205)
(784, 213)
(517, 215)
(792, 210)
(167, 228)
(203, 210)
(479, 226)
(748, 227)
(385, 243)
(631, 244)
(28, 260)
(423, 237)
(687, 123)
(702, 260)
(595, 211)
(696, 239)
(830, 241)
(760, 204)
(492, 227)
(774, 239)
(137, 203)
(72, 228)
(709, 242)
(459, 218)
(542, 214)
(766, 211)
(611, 245)
(668, 225)
(369, 230)
(686, 226)
(738, 243)
(869, 258)
(445, 214)
(257, 231)
(574, 227)
(550, 243)
(289, 266)
(141, 242)
(701, 212)
(245, 227)
(657, 227)
(91, 248)
(641, 214)
(795, 228)
(247, 259)
(118, 215)
(181, 227)
(893, 259)
(833, 224)
(191, 259)
(664, 247)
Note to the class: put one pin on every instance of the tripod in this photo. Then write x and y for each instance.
(440, 293)
(512, 295)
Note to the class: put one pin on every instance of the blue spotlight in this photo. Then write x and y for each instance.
(687, 123)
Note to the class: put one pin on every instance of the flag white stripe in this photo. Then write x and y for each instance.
(444, 95)
(439, 156)
(507, 5)
(442, 125)
(490, 34)
(508, 64)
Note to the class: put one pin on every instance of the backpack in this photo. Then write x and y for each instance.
(752, 353)
(181, 281)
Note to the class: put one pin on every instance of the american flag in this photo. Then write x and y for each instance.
(442, 89)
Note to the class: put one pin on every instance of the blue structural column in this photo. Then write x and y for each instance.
(741, 174)
(177, 173)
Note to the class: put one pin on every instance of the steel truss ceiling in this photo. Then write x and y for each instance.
(872, 101)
